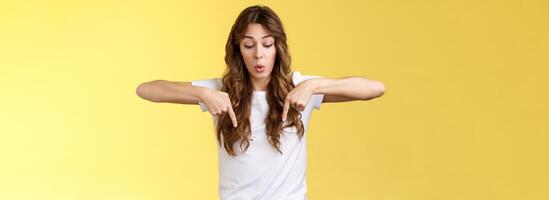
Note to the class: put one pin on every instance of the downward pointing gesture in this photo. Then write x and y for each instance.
(297, 98)
(219, 103)
(285, 110)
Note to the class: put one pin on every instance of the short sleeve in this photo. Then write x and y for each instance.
(316, 99)
(214, 84)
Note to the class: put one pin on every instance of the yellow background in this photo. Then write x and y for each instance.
(464, 116)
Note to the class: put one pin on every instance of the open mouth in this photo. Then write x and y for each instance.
(260, 68)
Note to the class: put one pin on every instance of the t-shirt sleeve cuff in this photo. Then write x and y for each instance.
(317, 100)
(214, 84)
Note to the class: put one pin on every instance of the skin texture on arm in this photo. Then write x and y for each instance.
(346, 89)
(163, 91)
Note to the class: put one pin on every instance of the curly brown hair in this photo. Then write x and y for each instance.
(237, 83)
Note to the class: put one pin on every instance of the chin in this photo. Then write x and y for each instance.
(259, 75)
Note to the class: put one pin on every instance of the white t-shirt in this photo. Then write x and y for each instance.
(262, 172)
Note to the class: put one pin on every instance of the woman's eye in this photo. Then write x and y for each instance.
(248, 47)
(268, 45)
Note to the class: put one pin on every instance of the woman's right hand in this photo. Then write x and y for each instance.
(218, 103)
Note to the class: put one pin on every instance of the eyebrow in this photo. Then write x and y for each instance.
(247, 36)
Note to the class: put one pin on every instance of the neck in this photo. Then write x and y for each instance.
(260, 84)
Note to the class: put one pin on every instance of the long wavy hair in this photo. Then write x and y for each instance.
(237, 83)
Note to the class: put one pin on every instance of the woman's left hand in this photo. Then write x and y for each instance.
(298, 97)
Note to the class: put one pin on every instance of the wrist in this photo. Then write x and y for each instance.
(312, 84)
(202, 92)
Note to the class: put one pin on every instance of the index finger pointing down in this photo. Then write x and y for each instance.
(285, 110)
(232, 116)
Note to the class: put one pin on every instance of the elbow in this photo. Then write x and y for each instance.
(139, 90)
(380, 88)
(143, 90)
(374, 89)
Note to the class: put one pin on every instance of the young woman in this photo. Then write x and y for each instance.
(261, 109)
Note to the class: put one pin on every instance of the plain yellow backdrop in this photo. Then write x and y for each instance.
(465, 113)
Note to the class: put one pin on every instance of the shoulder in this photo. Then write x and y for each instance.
(298, 77)
(212, 83)
(316, 99)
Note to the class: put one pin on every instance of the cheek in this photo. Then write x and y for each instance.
(247, 55)
(271, 54)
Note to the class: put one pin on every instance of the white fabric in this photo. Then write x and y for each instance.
(261, 172)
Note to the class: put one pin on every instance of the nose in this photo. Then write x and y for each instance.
(258, 54)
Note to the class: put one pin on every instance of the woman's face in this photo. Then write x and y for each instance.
(258, 51)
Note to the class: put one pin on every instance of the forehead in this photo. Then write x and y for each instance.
(256, 31)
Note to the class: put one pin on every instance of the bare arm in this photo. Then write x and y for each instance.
(163, 91)
(334, 90)
(346, 89)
